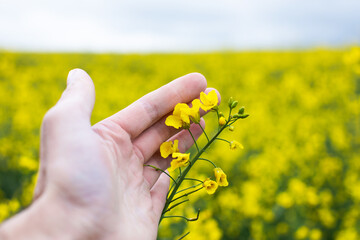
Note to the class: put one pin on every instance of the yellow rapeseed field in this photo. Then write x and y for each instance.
(298, 176)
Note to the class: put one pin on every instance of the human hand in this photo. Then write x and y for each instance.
(92, 182)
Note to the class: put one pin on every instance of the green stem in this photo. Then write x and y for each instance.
(187, 169)
(223, 140)
(197, 147)
(193, 179)
(232, 122)
(187, 194)
(194, 186)
(187, 219)
(183, 236)
(158, 169)
(229, 115)
(204, 132)
(204, 159)
(172, 185)
(175, 205)
(218, 117)
(170, 189)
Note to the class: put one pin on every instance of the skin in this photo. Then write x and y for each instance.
(92, 181)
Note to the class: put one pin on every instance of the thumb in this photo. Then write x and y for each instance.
(79, 95)
(73, 111)
(70, 114)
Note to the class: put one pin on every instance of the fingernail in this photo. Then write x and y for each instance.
(71, 77)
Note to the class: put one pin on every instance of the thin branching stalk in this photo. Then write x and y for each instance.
(187, 219)
(177, 204)
(193, 179)
(197, 147)
(204, 132)
(194, 186)
(229, 115)
(187, 169)
(158, 169)
(223, 140)
(186, 194)
(207, 160)
(183, 236)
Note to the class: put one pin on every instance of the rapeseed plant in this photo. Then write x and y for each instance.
(182, 117)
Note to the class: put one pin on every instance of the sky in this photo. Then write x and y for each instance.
(177, 25)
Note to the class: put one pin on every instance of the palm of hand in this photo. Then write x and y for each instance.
(98, 171)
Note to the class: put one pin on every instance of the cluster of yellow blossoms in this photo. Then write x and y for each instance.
(182, 117)
(180, 159)
(182, 113)
(221, 180)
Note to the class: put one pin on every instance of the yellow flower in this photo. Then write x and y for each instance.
(209, 101)
(167, 148)
(235, 145)
(222, 121)
(179, 118)
(182, 160)
(220, 177)
(315, 234)
(302, 232)
(193, 112)
(210, 186)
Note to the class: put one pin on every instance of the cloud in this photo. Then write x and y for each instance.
(159, 25)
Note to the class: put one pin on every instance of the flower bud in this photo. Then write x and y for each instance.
(221, 114)
(234, 104)
(236, 116)
(241, 110)
(230, 102)
(244, 116)
(222, 121)
(231, 128)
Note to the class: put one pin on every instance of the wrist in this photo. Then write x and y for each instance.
(44, 219)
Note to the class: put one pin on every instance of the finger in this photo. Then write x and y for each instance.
(149, 141)
(71, 112)
(147, 110)
(79, 93)
(158, 194)
(76, 102)
(185, 142)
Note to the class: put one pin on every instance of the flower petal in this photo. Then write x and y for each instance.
(166, 149)
(173, 121)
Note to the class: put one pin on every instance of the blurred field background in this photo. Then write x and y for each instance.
(298, 176)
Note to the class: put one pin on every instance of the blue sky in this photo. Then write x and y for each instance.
(177, 25)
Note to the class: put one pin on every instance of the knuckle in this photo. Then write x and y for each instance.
(151, 109)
